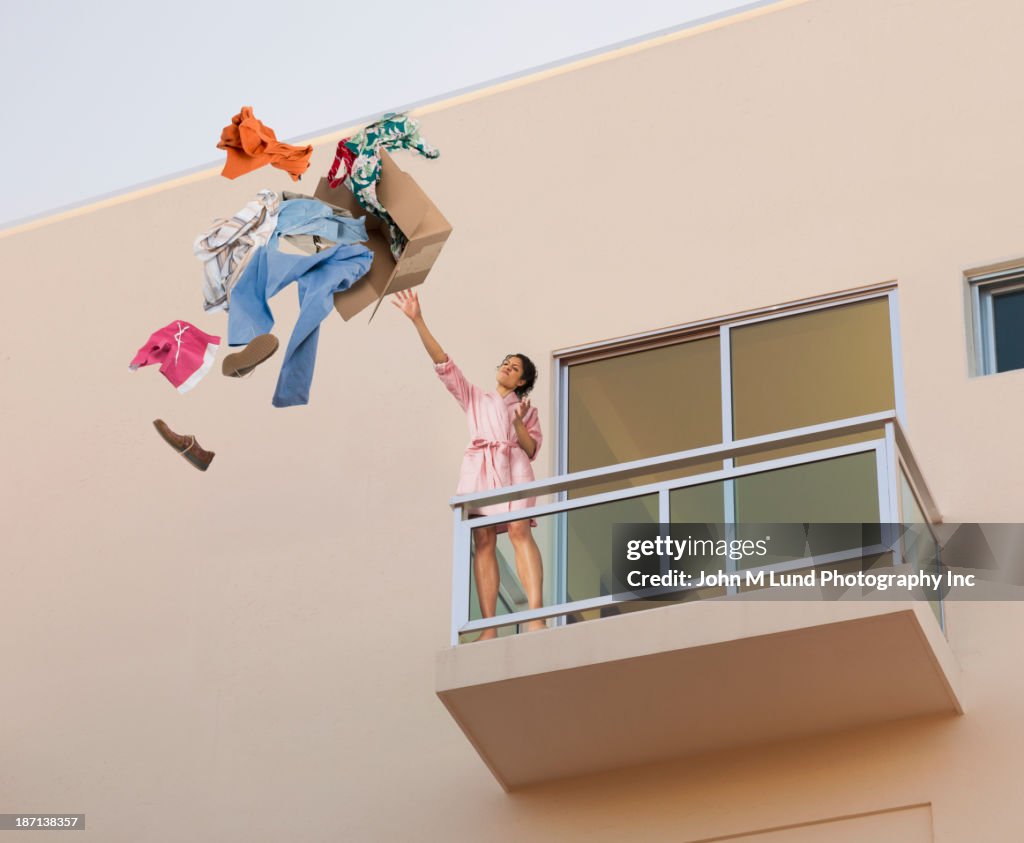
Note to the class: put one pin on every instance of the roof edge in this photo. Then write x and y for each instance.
(617, 50)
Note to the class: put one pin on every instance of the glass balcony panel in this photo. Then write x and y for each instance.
(920, 549)
(703, 504)
(588, 563)
(511, 596)
(834, 491)
(576, 554)
(910, 511)
(811, 368)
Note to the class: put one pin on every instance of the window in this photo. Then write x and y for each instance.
(713, 383)
(644, 404)
(736, 378)
(997, 300)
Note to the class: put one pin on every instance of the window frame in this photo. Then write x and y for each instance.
(984, 287)
(565, 358)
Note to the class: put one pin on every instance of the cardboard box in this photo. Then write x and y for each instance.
(419, 220)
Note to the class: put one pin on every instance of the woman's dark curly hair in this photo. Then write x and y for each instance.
(529, 374)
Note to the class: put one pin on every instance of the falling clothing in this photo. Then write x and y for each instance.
(394, 131)
(303, 222)
(312, 243)
(251, 145)
(185, 354)
(227, 248)
(319, 277)
(494, 458)
(343, 156)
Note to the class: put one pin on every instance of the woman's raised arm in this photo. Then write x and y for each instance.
(408, 302)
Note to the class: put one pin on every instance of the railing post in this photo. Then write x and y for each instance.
(893, 473)
(460, 573)
(729, 510)
(664, 517)
(889, 504)
(560, 563)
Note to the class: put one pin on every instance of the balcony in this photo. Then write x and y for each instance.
(620, 680)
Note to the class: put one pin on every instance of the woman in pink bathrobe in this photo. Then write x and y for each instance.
(504, 439)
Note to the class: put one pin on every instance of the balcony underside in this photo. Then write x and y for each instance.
(691, 679)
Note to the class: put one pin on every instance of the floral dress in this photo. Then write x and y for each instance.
(493, 458)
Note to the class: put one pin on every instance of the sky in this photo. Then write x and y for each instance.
(102, 96)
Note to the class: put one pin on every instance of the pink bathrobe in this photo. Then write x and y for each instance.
(494, 458)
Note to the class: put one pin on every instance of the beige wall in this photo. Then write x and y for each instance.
(249, 654)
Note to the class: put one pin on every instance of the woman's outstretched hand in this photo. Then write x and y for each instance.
(407, 302)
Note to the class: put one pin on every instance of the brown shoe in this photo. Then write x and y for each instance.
(185, 445)
(244, 361)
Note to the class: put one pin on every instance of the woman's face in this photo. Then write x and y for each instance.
(510, 373)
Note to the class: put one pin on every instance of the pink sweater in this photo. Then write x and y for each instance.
(185, 354)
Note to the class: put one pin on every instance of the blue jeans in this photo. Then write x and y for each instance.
(319, 277)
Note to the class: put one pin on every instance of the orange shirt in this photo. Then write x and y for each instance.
(250, 145)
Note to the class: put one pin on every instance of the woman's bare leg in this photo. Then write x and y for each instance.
(485, 569)
(529, 567)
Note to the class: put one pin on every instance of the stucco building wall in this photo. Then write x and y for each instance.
(249, 653)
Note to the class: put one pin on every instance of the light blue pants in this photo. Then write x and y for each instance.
(319, 277)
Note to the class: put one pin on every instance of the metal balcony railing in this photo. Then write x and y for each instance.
(902, 496)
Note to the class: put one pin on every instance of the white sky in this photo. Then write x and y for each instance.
(100, 96)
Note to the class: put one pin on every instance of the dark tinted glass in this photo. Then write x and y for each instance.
(1008, 318)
